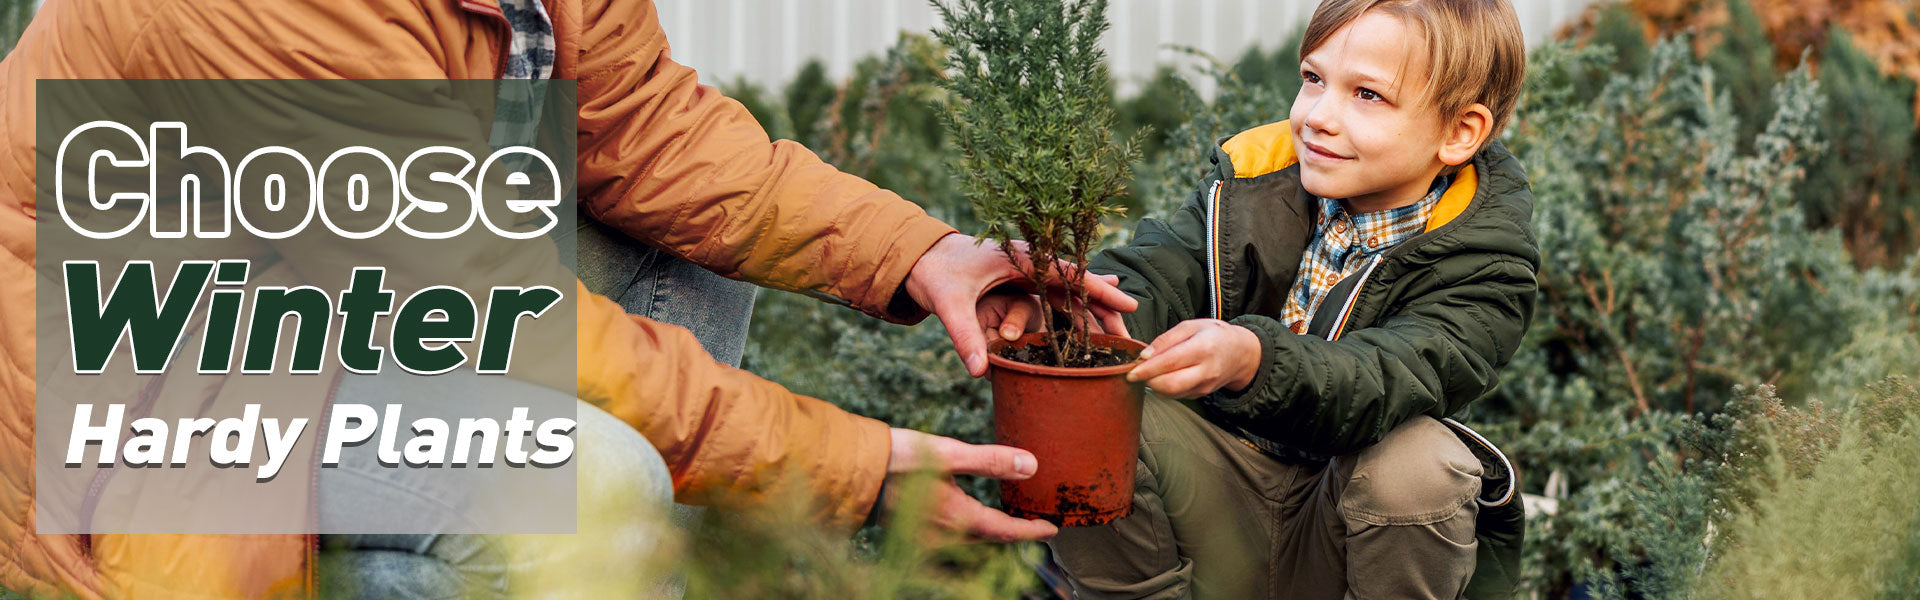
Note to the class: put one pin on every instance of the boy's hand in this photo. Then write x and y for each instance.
(1199, 356)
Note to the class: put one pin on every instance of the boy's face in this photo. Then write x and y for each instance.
(1362, 125)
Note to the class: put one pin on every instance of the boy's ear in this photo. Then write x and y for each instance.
(1465, 134)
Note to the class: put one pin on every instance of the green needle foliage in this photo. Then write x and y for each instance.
(1680, 265)
(779, 552)
(1030, 112)
(1689, 258)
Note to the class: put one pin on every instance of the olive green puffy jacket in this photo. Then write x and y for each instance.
(1421, 330)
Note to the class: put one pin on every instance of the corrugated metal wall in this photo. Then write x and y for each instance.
(766, 41)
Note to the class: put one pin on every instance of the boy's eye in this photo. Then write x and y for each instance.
(1310, 76)
(1367, 94)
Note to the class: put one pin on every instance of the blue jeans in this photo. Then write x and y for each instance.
(619, 469)
(648, 282)
(656, 285)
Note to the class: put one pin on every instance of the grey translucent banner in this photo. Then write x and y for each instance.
(305, 306)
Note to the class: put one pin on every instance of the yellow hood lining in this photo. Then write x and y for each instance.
(1269, 148)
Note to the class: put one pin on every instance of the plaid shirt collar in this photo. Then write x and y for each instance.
(1343, 242)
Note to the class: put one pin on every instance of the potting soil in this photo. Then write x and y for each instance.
(1044, 355)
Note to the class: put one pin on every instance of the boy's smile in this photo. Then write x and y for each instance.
(1363, 124)
(1320, 152)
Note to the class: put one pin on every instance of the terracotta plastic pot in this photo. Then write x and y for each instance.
(1083, 424)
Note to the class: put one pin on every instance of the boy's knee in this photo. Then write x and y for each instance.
(1419, 474)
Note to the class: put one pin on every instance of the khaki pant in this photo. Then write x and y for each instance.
(1214, 517)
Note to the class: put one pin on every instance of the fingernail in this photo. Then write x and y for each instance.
(1147, 353)
(976, 364)
(1009, 333)
(1025, 465)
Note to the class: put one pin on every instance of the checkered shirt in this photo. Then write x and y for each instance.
(516, 113)
(1343, 242)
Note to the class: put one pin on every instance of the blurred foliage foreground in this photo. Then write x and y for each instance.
(1716, 395)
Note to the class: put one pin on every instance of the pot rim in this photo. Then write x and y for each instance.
(1108, 340)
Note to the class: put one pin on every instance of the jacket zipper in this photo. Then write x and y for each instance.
(1339, 327)
(1213, 267)
(1346, 310)
(1213, 247)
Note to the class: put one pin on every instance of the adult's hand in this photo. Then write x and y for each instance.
(952, 510)
(952, 276)
(1011, 315)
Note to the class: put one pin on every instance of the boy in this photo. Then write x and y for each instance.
(1341, 283)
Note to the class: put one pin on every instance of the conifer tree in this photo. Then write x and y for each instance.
(1029, 109)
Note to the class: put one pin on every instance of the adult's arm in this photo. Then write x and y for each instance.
(681, 167)
(727, 434)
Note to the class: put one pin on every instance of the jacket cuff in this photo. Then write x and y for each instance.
(859, 498)
(1269, 331)
(890, 300)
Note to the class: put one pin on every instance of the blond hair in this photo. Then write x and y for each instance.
(1475, 49)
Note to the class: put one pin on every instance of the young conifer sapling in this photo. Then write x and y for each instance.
(1028, 106)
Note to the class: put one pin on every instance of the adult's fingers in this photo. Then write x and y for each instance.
(1111, 322)
(989, 524)
(986, 460)
(1102, 290)
(964, 327)
(994, 311)
(1019, 315)
(1106, 319)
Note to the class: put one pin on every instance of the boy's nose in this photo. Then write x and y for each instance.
(1322, 116)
